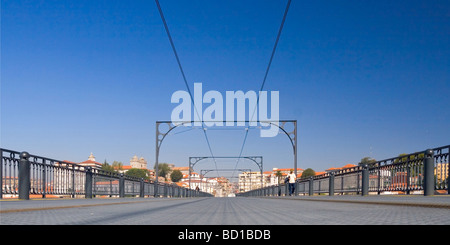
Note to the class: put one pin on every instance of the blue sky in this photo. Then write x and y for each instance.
(363, 78)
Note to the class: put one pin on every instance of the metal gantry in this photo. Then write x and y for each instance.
(281, 124)
(204, 172)
(258, 160)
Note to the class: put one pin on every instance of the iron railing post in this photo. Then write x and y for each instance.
(365, 181)
(73, 181)
(311, 186)
(141, 188)
(428, 165)
(331, 184)
(24, 176)
(44, 179)
(88, 183)
(121, 186)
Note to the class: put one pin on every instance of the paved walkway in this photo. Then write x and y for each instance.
(321, 210)
(438, 201)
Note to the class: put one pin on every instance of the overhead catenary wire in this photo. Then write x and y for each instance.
(280, 30)
(166, 27)
(262, 85)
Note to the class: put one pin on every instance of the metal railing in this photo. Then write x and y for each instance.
(22, 175)
(424, 173)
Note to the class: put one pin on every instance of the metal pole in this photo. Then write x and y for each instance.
(428, 165)
(73, 181)
(121, 186)
(24, 176)
(331, 185)
(156, 160)
(141, 188)
(88, 183)
(295, 156)
(261, 170)
(365, 181)
(44, 183)
(189, 176)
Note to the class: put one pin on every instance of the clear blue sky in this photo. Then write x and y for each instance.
(363, 78)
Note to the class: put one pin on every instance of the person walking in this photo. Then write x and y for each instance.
(292, 180)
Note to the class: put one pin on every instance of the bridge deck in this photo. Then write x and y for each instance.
(407, 210)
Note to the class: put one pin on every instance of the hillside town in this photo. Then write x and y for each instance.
(217, 186)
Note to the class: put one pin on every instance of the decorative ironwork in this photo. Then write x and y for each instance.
(425, 172)
(46, 176)
(258, 160)
(281, 124)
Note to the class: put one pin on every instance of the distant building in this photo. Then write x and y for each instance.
(91, 162)
(183, 170)
(249, 181)
(346, 167)
(138, 163)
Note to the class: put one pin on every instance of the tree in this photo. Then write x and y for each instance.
(308, 173)
(107, 167)
(367, 161)
(117, 165)
(176, 175)
(403, 157)
(138, 173)
(279, 175)
(163, 170)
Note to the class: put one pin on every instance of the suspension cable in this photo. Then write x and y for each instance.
(184, 77)
(265, 75)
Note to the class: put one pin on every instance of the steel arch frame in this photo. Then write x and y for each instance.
(292, 135)
(251, 158)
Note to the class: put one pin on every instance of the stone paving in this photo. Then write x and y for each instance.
(302, 210)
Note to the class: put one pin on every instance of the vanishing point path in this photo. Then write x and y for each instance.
(334, 210)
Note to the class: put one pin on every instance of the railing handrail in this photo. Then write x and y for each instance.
(389, 163)
(68, 179)
(359, 167)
